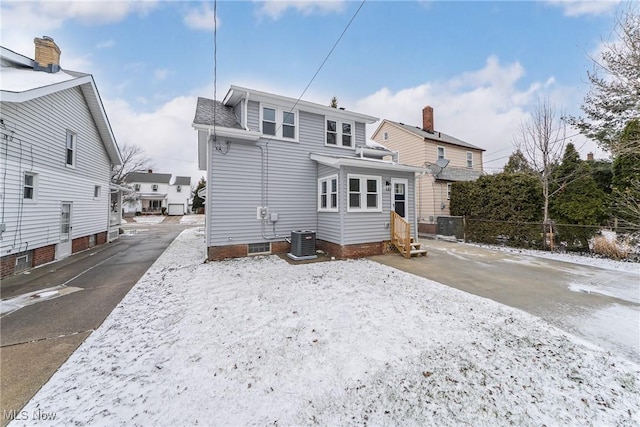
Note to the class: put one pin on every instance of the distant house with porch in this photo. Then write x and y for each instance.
(56, 151)
(157, 194)
(445, 158)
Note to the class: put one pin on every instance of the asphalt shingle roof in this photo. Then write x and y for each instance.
(437, 136)
(224, 116)
(154, 178)
(182, 180)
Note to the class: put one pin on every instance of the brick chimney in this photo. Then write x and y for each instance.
(590, 156)
(427, 119)
(47, 55)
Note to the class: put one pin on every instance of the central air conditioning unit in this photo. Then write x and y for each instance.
(303, 245)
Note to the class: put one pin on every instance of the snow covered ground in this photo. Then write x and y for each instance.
(261, 341)
(195, 219)
(148, 219)
(610, 264)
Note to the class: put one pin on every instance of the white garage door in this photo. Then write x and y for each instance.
(176, 209)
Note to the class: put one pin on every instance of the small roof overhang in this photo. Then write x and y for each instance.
(231, 134)
(339, 161)
(152, 196)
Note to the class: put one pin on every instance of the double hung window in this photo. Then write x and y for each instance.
(328, 194)
(364, 193)
(339, 133)
(279, 122)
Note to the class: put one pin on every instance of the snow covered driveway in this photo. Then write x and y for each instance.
(260, 341)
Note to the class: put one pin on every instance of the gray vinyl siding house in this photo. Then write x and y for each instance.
(56, 149)
(249, 168)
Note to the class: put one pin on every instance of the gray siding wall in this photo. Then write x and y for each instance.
(362, 227)
(236, 191)
(39, 146)
(253, 116)
(330, 223)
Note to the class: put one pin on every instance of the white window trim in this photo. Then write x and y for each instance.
(74, 138)
(469, 154)
(279, 122)
(34, 186)
(328, 180)
(363, 193)
(339, 133)
(444, 152)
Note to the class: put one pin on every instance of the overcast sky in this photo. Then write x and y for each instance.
(481, 65)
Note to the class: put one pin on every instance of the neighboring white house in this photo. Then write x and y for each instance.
(56, 151)
(157, 193)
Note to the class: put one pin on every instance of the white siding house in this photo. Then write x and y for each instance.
(276, 165)
(157, 194)
(56, 148)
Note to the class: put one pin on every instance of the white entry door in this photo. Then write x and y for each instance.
(63, 249)
(399, 197)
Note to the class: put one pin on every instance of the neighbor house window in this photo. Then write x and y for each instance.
(179, 189)
(71, 148)
(136, 187)
(364, 193)
(339, 133)
(154, 187)
(328, 194)
(385, 136)
(96, 192)
(469, 159)
(29, 186)
(449, 191)
(440, 153)
(280, 123)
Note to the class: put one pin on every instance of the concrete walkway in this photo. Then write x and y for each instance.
(575, 298)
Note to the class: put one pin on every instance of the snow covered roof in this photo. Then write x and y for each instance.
(340, 161)
(25, 79)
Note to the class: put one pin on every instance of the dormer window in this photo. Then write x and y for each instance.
(339, 133)
(278, 122)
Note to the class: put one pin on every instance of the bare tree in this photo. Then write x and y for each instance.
(133, 160)
(541, 140)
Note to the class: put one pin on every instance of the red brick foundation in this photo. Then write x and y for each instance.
(101, 238)
(44, 255)
(217, 253)
(79, 244)
(7, 265)
(353, 251)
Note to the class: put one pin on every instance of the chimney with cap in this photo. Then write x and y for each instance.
(47, 55)
(427, 119)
